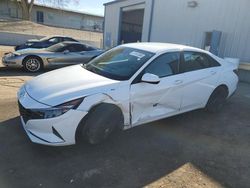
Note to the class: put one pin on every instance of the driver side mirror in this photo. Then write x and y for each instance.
(66, 51)
(150, 78)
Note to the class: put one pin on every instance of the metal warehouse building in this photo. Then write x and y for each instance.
(221, 26)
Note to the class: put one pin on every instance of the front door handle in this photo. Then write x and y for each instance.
(213, 72)
(178, 82)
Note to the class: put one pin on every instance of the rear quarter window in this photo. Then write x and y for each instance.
(213, 62)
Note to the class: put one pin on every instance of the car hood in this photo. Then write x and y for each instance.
(62, 85)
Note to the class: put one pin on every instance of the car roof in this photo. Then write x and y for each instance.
(61, 36)
(155, 47)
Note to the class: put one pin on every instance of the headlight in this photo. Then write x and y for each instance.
(57, 110)
(10, 55)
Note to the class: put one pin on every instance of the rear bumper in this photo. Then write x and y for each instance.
(235, 84)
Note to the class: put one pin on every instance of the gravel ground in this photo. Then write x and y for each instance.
(31, 28)
(195, 149)
(5, 49)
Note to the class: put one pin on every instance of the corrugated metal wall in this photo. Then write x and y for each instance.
(174, 21)
(61, 18)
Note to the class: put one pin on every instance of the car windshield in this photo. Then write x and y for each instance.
(57, 47)
(90, 48)
(119, 63)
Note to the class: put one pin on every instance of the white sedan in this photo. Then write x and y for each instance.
(127, 86)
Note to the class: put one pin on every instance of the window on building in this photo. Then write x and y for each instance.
(207, 41)
(39, 17)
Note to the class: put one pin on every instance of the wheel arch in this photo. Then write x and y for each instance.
(36, 56)
(224, 86)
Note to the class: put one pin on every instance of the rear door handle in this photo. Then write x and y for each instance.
(178, 82)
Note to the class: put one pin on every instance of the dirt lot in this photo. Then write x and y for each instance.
(195, 149)
(4, 49)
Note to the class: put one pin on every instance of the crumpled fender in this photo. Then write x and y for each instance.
(93, 100)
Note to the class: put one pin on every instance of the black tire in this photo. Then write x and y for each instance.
(217, 99)
(32, 64)
(101, 121)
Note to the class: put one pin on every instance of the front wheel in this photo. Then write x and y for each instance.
(101, 121)
(217, 100)
(33, 64)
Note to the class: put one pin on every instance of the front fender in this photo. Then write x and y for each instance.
(90, 101)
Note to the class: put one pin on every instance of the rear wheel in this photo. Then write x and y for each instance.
(32, 64)
(101, 121)
(217, 99)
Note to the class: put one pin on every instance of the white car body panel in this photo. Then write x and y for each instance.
(66, 84)
(40, 131)
(149, 101)
(140, 103)
(198, 86)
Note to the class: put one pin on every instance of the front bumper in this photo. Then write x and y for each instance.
(58, 131)
(11, 63)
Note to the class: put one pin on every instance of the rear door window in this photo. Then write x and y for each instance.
(193, 61)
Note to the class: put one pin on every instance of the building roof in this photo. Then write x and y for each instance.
(69, 10)
(112, 2)
(160, 47)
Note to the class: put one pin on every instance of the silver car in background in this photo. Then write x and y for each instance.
(62, 54)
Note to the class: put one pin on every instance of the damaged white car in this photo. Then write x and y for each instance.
(127, 86)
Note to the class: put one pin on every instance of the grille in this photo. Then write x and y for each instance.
(28, 114)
